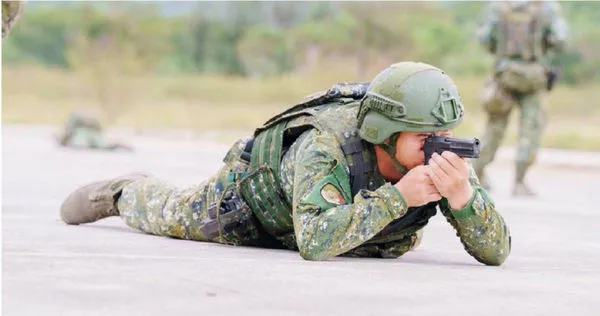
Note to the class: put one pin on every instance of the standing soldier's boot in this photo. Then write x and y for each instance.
(521, 189)
(96, 200)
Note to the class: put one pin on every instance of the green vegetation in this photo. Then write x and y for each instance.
(260, 39)
(233, 104)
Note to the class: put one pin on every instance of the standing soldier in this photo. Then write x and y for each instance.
(520, 34)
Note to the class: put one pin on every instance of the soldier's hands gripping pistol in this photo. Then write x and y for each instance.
(464, 148)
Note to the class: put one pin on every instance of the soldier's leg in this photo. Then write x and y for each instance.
(531, 126)
(65, 137)
(68, 132)
(156, 207)
(93, 139)
(97, 139)
(494, 134)
(145, 203)
(212, 211)
(497, 104)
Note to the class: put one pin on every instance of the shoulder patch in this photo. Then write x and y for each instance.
(331, 191)
(332, 195)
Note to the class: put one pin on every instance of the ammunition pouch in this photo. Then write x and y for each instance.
(261, 187)
(495, 99)
(521, 76)
(230, 220)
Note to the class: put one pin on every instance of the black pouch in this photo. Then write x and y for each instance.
(231, 221)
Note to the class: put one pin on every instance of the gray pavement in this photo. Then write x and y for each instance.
(106, 268)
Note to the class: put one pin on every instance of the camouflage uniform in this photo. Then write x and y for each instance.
(11, 12)
(519, 34)
(325, 219)
(84, 130)
(309, 180)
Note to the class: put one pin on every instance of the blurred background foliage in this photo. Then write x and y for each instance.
(257, 39)
(183, 58)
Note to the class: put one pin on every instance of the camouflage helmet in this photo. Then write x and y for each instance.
(409, 97)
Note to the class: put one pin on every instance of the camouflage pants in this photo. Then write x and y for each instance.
(85, 137)
(531, 125)
(212, 211)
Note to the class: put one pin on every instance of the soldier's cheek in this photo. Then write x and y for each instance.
(421, 156)
(421, 153)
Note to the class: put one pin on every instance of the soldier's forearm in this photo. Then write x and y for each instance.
(481, 229)
(325, 234)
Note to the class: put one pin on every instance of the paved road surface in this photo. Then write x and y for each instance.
(106, 268)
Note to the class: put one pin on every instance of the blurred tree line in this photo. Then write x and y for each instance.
(257, 39)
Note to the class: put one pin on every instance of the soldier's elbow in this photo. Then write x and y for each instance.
(496, 258)
(313, 253)
(494, 261)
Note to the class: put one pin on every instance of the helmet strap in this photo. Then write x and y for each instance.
(390, 149)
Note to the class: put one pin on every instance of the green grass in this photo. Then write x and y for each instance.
(220, 103)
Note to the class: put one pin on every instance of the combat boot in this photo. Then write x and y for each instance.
(96, 200)
(521, 189)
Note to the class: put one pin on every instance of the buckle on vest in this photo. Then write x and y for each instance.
(247, 153)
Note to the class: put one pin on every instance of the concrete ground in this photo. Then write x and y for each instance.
(106, 268)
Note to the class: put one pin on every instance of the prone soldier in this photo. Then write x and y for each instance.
(342, 173)
(83, 130)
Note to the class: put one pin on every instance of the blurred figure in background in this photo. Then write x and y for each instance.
(11, 12)
(83, 130)
(520, 34)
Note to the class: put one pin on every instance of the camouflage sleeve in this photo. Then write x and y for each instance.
(488, 27)
(328, 221)
(557, 31)
(11, 12)
(481, 228)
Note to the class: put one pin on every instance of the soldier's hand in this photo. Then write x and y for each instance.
(417, 188)
(450, 175)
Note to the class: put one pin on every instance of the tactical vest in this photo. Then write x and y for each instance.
(334, 112)
(521, 32)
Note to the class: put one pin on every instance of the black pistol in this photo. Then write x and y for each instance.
(468, 148)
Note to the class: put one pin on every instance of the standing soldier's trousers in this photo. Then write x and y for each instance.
(531, 125)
